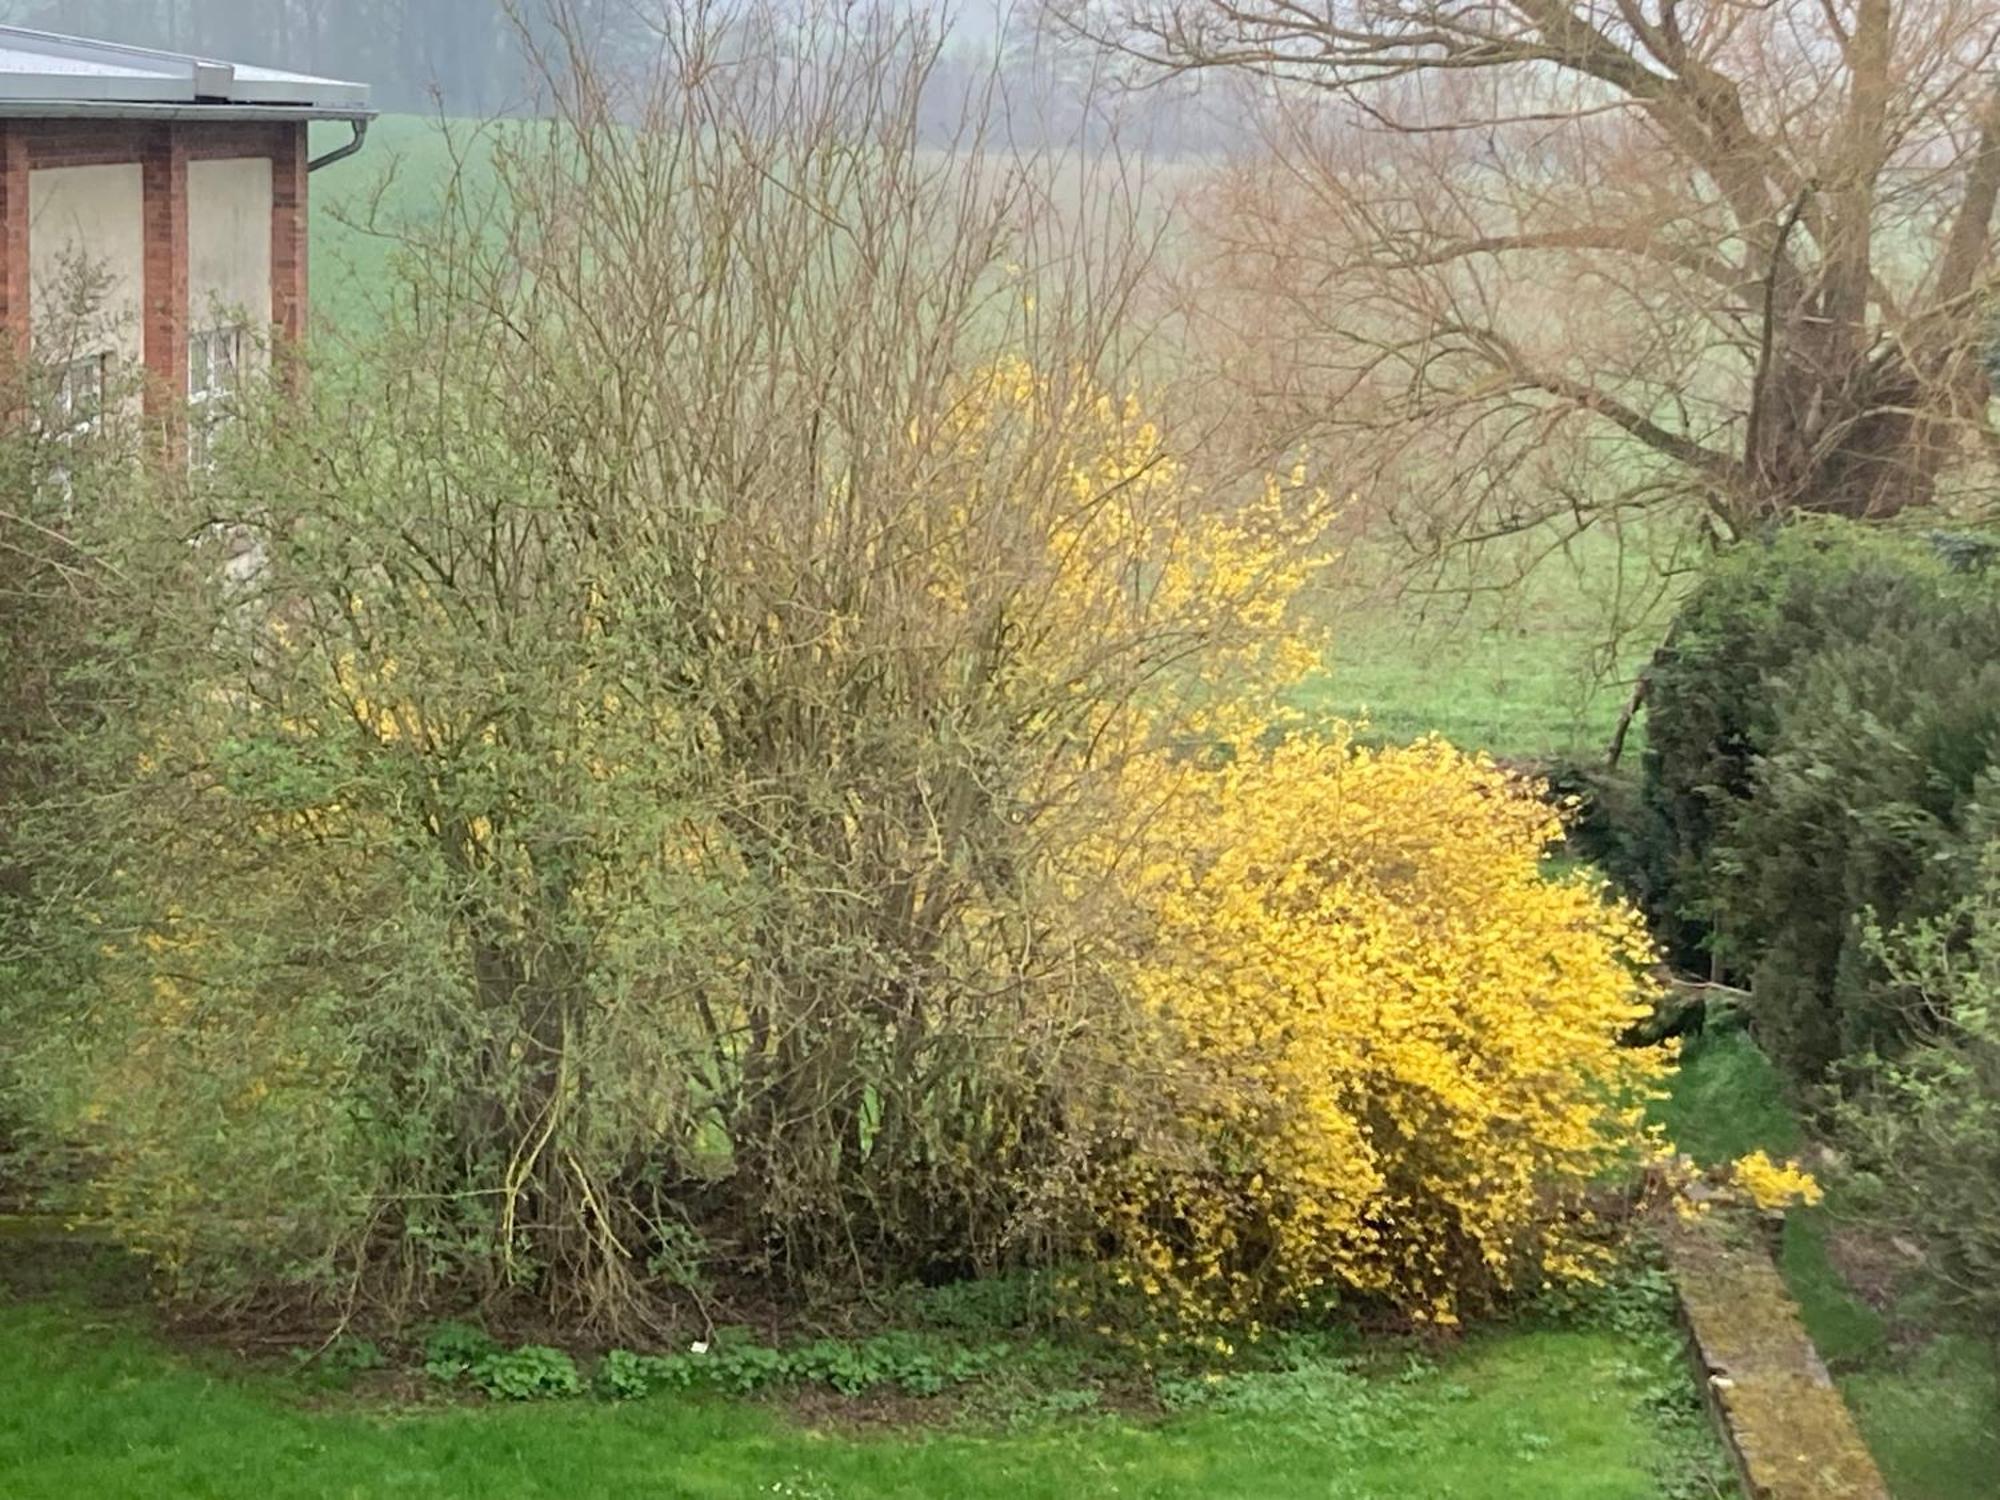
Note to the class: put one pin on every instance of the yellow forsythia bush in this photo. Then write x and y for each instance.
(1392, 1039)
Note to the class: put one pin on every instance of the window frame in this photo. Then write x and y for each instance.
(221, 355)
(68, 426)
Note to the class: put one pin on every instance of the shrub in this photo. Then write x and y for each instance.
(1712, 696)
(54, 482)
(634, 776)
(614, 804)
(451, 932)
(1924, 1129)
(1866, 806)
(1393, 1066)
(1823, 729)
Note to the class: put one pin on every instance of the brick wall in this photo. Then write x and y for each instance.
(13, 244)
(163, 150)
(163, 162)
(290, 289)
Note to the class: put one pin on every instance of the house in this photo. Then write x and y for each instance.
(170, 193)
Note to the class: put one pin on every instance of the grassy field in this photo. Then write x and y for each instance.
(92, 1404)
(1526, 649)
(396, 177)
(1929, 1406)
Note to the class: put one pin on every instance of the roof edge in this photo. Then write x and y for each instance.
(152, 75)
(120, 109)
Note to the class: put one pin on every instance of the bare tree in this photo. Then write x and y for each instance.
(1536, 257)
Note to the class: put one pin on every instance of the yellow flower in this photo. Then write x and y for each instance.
(1774, 1187)
(1395, 1041)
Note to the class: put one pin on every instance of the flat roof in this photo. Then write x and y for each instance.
(44, 73)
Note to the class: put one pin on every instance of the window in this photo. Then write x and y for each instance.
(78, 409)
(215, 374)
(77, 405)
(215, 364)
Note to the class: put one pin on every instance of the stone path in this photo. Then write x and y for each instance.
(1792, 1436)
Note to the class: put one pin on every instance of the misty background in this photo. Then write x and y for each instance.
(464, 58)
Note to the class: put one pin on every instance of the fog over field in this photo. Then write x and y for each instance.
(465, 57)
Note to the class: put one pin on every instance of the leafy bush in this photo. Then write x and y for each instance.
(1712, 697)
(635, 776)
(621, 798)
(1870, 804)
(1394, 1059)
(1823, 729)
(53, 525)
(1924, 1129)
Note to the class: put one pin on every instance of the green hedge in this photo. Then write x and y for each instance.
(1822, 734)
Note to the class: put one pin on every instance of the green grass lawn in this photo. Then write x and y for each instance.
(1928, 1406)
(1494, 687)
(91, 1405)
(1525, 649)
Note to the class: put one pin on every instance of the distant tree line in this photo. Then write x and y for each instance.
(466, 57)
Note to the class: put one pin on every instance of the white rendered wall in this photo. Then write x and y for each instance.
(95, 216)
(229, 244)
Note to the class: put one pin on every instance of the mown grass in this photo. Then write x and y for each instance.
(1928, 1405)
(1495, 687)
(90, 1404)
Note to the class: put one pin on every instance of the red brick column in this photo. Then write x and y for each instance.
(165, 312)
(290, 290)
(14, 288)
